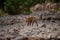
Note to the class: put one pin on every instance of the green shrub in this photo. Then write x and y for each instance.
(12, 6)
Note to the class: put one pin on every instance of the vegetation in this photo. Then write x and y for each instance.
(2, 13)
(20, 6)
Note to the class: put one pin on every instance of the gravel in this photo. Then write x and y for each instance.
(13, 26)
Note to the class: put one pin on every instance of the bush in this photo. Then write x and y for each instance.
(12, 6)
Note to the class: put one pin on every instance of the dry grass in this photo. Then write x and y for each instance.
(2, 13)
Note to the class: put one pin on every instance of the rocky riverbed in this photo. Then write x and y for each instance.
(13, 27)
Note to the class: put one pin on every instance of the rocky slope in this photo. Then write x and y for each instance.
(14, 27)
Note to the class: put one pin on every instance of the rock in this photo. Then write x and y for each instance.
(14, 27)
(8, 38)
(44, 25)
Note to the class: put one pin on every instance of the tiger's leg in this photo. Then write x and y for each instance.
(36, 23)
(27, 24)
(32, 23)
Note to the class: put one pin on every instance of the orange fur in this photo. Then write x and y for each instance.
(31, 20)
